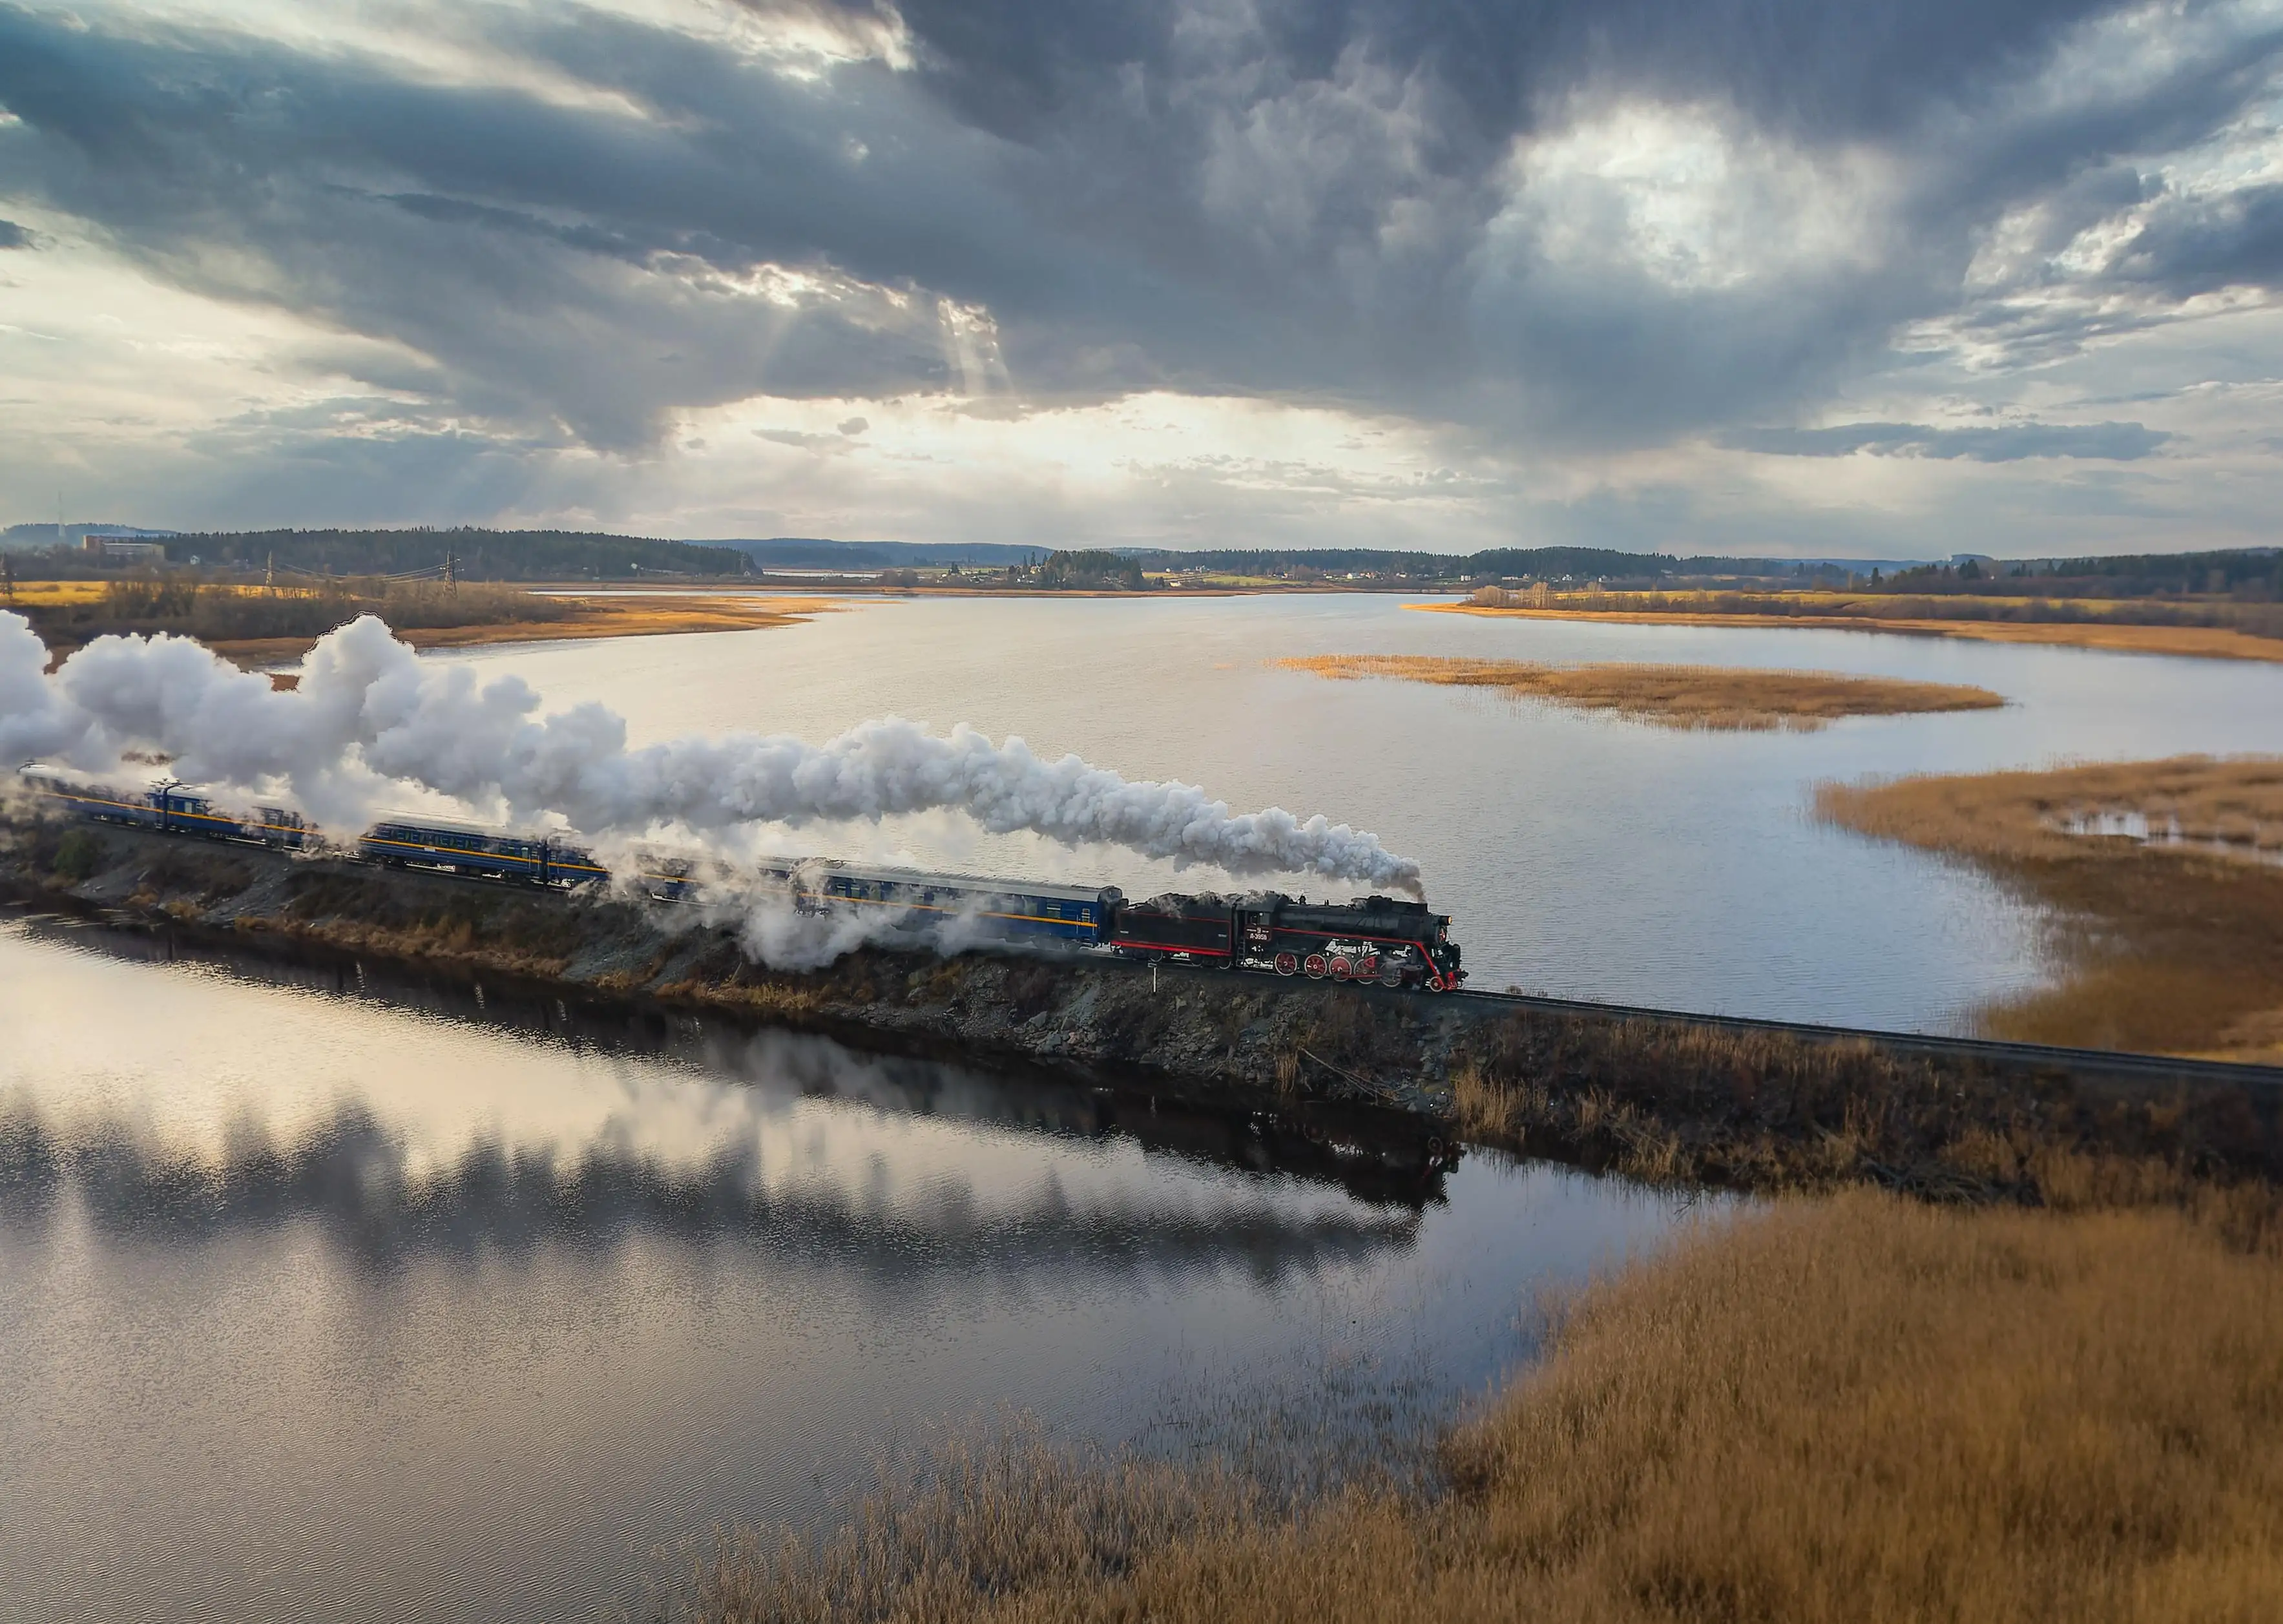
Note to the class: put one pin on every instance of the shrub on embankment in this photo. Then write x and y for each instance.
(1674, 1102)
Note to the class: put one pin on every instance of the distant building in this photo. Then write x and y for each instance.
(126, 549)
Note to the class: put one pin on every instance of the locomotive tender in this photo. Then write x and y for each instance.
(1380, 939)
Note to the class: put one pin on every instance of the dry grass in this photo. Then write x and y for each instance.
(1687, 696)
(253, 624)
(578, 619)
(2171, 947)
(2102, 628)
(1857, 1409)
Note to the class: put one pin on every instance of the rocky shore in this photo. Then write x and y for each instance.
(1671, 1100)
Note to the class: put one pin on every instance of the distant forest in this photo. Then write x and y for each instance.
(2251, 573)
(482, 555)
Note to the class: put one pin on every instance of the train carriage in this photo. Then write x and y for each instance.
(994, 908)
(468, 849)
(169, 804)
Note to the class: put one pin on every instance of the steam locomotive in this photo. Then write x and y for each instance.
(1380, 939)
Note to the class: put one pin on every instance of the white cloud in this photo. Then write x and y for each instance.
(1690, 197)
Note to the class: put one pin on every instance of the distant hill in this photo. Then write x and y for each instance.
(794, 552)
(560, 554)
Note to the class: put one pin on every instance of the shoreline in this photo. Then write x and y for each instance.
(2189, 642)
(1668, 1099)
(716, 615)
(2173, 942)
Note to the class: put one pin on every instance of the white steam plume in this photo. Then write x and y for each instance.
(368, 709)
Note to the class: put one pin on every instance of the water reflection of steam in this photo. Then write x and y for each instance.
(353, 1177)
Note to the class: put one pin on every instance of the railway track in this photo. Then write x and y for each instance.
(2031, 1056)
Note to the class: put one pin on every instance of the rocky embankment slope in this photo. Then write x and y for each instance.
(1669, 1100)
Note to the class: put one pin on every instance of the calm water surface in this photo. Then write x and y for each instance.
(1580, 855)
(322, 1301)
(326, 1299)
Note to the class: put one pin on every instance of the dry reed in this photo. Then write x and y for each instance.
(256, 623)
(1854, 1409)
(1688, 697)
(2173, 945)
(2252, 632)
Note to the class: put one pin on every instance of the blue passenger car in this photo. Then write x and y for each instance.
(1002, 908)
(465, 849)
(170, 805)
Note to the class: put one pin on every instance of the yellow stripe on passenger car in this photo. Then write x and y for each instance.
(929, 907)
(407, 845)
(146, 806)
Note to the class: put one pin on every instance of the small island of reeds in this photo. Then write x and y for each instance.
(1724, 698)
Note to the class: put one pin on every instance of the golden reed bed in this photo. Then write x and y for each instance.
(2116, 636)
(1724, 698)
(2173, 945)
(1849, 1412)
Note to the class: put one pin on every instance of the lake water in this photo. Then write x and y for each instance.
(331, 1301)
(1579, 855)
(329, 1297)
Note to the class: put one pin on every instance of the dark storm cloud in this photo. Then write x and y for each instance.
(2194, 245)
(13, 236)
(1312, 200)
(2115, 442)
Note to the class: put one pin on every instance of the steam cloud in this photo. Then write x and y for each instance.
(367, 710)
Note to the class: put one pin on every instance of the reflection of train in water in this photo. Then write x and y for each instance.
(1376, 939)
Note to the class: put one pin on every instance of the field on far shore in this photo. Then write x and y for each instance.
(1723, 698)
(2172, 943)
(2107, 625)
(256, 625)
(651, 615)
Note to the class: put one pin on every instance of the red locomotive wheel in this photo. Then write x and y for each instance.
(1315, 965)
(1341, 968)
(1288, 963)
(1390, 976)
(1366, 967)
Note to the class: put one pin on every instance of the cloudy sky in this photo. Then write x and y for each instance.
(1793, 276)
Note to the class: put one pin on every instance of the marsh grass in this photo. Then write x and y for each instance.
(254, 621)
(1860, 1409)
(230, 613)
(1731, 698)
(2171, 946)
(2223, 631)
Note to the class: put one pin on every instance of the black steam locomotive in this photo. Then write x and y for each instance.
(1375, 938)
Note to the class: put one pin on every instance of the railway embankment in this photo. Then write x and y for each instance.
(1669, 1098)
